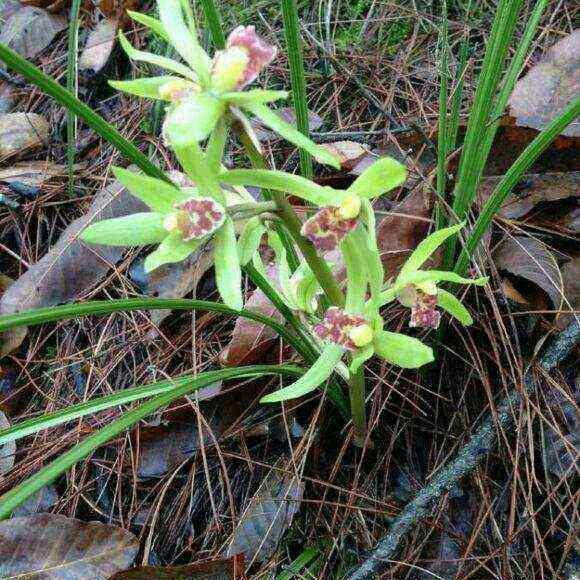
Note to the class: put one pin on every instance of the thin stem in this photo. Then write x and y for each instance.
(357, 406)
(248, 210)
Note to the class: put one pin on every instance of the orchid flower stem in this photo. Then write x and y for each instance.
(357, 406)
(248, 210)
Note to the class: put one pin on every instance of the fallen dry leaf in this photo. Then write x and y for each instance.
(528, 258)
(99, 46)
(39, 502)
(348, 153)
(32, 173)
(29, 30)
(532, 190)
(8, 450)
(7, 97)
(20, 132)
(267, 516)
(227, 569)
(571, 280)
(70, 267)
(51, 546)
(402, 228)
(549, 86)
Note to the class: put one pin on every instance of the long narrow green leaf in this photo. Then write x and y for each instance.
(61, 95)
(296, 60)
(72, 87)
(31, 426)
(512, 177)
(16, 496)
(212, 17)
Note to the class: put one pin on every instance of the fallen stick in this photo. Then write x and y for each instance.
(467, 459)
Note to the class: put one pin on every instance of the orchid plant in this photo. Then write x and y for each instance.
(205, 97)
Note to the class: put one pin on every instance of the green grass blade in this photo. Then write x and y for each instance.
(512, 177)
(72, 87)
(31, 426)
(212, 17)
(295, 57)
(65, 98)
(16, 496)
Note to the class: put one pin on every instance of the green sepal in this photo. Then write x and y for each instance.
(241, 98)
(426, 248)
(192, 120)
(439, 276)
(307, 288)
(360, 357)
(228, 272)
(155, 59)
(150, 22)
(171, 250)
(284, 272)
(159, 195)
(250, 239)
(356, 274)
(313, 378)
(183, 38)
(454, 306)
(147, 87)
(402, 350)
(382, 176)
(281, 181)
(216, 144)
(138, 229)
(290, 133)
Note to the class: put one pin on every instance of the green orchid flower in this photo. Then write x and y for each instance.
(179, 222)
(204, 89)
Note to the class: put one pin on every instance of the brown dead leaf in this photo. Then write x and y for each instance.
(528, 258)
(227, 569)
(117, 9)
(571, 278)
(99, 46)
(7, 97)
(533, 190)
(348, 153)
(402, 228)
(7, 451)
(20, 132)
(267, 517)
(29, 30)
(71, 267)
(32, 173)
(250, 339)
(549, 86)
(51, 546)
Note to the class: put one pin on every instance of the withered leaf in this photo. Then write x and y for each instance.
(53, 546)
(267, 517)
(32, 173)
(226, 569)
(532, 190)
(401, 229)
(348, 153)
(549, 86)
(70, 267)
(20, 132)
(29, 30)
(8, 450)
(99, 46)
(528, 258)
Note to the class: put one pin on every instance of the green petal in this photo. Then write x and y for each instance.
(183, 38)
(241, 98)
(401, 350)
(290, 133)
(281, 181)
(441, 276)
(382, 176)
(228, 272)
(138, 229)
(172, 249)
(453, 305)
(159, 195)
(250, 239)
(152, 23)
(161, 61)
(284, 273)
(147, 88)
(192, 120)
(360, 357)
(314, 377)
(307, 288)
(357, 275)
(424, 250)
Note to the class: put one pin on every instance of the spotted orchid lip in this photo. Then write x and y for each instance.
(424, 313)
(326, 229)
(203, 217)
(336, 326)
